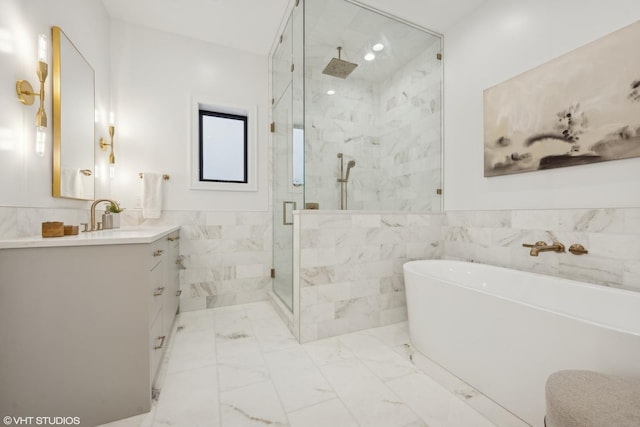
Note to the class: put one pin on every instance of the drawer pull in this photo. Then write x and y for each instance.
(158, 252)
(162, 338)
(171, 239)
(178, 293)
(158, 292)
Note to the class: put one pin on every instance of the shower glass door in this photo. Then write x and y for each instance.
(287, 150)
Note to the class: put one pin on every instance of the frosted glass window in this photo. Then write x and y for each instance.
(223, 147)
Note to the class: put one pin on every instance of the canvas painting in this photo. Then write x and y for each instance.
(580, 108)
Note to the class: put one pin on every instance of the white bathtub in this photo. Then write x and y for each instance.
(504, 331)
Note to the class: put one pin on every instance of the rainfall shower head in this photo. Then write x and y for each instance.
(351, 164)
(338, 67)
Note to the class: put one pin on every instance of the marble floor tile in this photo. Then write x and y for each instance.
(191, 350)
(329, 413)
(261, 311)
(196, 320)
(239, 366)
(297, 379)
(443, 377)
(434, 404)
(361, 342)
(254, 405)
(392, 335)
(368, 399)
(240, 363)
(273, 335)
(387, 364)
(197, 407)
(327, 351)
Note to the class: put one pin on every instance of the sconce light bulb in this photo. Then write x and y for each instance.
(112, 171)
(42, 48)
(41, 139)
(112, 119)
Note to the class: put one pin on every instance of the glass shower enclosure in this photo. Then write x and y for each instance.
(287, 149)
(357, 123)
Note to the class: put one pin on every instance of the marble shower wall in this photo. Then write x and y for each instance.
(225, 256)
(612, 237)
(392, 129)
(350, 267)
(341, 123)
(409, 127)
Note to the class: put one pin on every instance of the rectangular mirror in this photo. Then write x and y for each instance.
(73, 121)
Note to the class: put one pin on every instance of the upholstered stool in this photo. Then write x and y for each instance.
(590, 399)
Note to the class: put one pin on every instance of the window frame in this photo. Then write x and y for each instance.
(251, 112)
(202, 113)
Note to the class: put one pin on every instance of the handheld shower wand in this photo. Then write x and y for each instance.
(343, 180)
(351, 164)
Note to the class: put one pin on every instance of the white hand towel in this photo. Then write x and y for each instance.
(71, 183)
(151, 195)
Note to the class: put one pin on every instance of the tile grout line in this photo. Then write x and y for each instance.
(327, 380)
(215, 349)
(270, 380)
(383, 381)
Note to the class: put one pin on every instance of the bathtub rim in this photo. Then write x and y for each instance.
(407, 268)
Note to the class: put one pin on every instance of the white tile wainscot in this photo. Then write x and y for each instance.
(226, 256)
(348, 274)
(612, 237)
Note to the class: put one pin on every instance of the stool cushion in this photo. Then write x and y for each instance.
(589, 399)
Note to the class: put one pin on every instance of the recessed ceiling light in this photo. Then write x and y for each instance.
(331, 92)
(369, 56)
(378, 47)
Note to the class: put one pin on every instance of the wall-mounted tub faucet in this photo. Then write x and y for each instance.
(543, 247)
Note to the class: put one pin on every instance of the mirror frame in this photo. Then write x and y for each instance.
(56, 33)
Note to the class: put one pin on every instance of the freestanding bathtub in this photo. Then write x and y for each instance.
(505, 331)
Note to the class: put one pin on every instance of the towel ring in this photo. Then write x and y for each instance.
(164, 176)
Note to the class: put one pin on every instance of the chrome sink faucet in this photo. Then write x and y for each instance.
(93, 211)
(543, 247)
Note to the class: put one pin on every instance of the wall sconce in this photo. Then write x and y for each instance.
(104, 144)
(26, 95)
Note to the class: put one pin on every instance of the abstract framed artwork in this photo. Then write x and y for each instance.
(582, 107)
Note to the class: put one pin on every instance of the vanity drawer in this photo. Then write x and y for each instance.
(157, 342)
(157, 250)
(157, 291)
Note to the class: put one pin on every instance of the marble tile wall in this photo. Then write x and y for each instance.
(24, 222)
(392, 129)
(341, 123)
(612, 237)
(410, 114)
(350, 268)
(226, 256)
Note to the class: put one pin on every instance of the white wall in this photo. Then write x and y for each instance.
(154, 77)
(25, 179)
(501, 40)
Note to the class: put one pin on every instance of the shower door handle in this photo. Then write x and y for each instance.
(284, 212)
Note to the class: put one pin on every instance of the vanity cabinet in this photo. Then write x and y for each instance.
(164, 292)
(83, 328)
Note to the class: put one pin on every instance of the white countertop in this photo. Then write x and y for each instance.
(116, 236)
